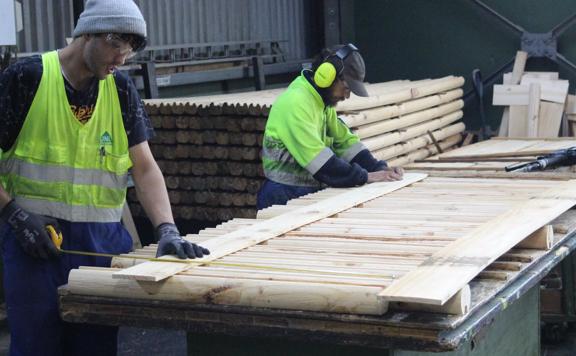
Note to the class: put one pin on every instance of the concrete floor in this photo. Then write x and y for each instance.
(132, 342)
(137, 342)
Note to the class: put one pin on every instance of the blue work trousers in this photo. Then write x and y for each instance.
(31, 284)
(272, 193)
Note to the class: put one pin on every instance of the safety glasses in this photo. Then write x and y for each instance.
(125, 44)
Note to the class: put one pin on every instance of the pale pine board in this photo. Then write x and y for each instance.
(518, 121)
(554, 91)
(509, 147)
(550, 119)
(447, 271)
(267, 229)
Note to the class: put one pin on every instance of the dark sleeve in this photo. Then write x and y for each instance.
(365, 159)
(18, 85)
(136, 121)
(338, 173)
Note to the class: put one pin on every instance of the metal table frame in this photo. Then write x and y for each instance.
(394, 330)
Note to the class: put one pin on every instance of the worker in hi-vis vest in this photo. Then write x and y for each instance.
(306, 146)
(71, 126)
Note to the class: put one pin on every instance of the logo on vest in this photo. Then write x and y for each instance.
(106, 139)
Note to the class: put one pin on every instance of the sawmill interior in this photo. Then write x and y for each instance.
(223, 222)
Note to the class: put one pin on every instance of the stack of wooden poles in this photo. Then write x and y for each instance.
(209, 147)
(405, 121)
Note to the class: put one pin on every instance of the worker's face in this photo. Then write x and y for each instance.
(104, 53)
(339, 91)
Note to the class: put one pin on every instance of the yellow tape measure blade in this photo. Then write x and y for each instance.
(55, 236)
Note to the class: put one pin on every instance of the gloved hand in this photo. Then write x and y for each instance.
(30, 230)
(170, 242)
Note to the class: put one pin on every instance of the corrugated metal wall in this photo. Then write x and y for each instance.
(48, 22)
(46, 25)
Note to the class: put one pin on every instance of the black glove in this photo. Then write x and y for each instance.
(171, 243)
(30, 230)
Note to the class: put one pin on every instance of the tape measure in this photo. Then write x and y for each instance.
(56, 237)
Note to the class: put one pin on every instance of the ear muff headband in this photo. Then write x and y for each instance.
(333, 66)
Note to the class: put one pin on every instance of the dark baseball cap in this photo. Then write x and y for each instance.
(354, 69)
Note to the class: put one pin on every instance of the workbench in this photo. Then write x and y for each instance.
(504, 317)
(505, 320)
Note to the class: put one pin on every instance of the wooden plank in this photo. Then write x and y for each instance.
(449, 269)
(510, 147)
(517, 125)
(551, 90)
(512, 78)
(550, 119)
(267, 229)
(533, 110)
(555, 91)
(541, 75)
(504, 175)
(507, 95)
(519, 66)
(457, 305)
(503, 130)
(570, 104)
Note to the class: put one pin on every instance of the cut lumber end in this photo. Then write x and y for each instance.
(541, 239)
(459, 304)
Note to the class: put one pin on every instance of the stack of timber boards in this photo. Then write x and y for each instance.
(534, 101)
(415, 244)
(489, 158)
(209, 147)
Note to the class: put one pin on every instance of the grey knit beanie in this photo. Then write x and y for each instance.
(115, 16)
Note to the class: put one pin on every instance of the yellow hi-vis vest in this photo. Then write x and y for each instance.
(62, 168)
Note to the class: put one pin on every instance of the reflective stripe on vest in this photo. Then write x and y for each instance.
(69, 175)
(61, 168)
(281, 167)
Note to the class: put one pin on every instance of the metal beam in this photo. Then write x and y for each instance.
(332, 23)
(239, 72)
(258, 69)
(148, 72)
(77, 8)
(511, 25)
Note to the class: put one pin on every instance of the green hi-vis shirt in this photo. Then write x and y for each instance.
(302, 134)
(62, 168)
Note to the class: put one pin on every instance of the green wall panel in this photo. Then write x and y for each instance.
(416, 39)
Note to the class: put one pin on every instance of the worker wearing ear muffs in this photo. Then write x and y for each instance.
(306, 147)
